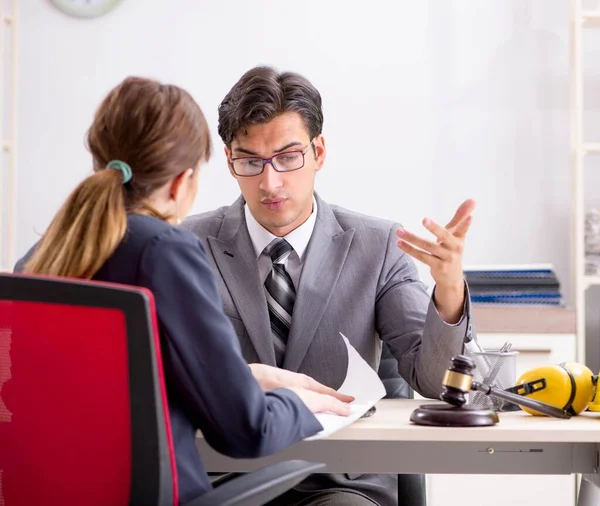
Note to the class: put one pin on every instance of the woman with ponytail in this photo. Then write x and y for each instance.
(148, 141)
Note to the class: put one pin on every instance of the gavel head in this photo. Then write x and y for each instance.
(457, 381)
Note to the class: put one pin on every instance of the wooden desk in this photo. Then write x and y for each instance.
(388, 443)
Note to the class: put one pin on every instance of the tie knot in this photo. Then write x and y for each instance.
(278, 250)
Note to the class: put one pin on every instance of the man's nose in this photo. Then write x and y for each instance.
(271, 179)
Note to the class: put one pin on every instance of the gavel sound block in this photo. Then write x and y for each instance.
(458, 381)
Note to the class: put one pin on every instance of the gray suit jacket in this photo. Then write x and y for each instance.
(354, 280)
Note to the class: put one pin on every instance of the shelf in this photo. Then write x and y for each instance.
(523, 319)
(591, 148)
(590, 19)
(591, 281)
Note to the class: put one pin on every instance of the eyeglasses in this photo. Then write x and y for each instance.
(287, 161)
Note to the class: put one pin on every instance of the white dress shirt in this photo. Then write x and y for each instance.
(297, 238)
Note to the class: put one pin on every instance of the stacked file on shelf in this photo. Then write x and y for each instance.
(532, 284)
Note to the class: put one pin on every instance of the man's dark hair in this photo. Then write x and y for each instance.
(263, 93)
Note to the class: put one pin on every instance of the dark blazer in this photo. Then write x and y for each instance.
(210, 386)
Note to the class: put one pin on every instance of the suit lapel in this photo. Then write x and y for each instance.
(325, 256)
(238, 268)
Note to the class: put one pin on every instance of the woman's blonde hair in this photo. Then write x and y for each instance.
(159, 131)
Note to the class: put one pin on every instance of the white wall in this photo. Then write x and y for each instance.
(426, 103)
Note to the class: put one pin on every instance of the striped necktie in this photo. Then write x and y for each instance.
(281, 294)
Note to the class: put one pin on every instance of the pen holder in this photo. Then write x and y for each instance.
(497, 369)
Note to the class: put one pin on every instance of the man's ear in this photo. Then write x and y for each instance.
(228, 158)
(179, 182)
(320, 151)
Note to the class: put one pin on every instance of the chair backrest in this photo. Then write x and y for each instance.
(83, 410)
(395, 385)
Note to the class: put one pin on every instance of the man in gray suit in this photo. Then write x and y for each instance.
(296, 271)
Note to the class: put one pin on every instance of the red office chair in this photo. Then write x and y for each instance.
(83, 410)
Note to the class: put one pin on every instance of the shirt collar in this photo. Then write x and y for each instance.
(298, 238)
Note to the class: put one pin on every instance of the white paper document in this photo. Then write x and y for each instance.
(362, 383)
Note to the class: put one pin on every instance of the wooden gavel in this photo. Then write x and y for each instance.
(458, 381)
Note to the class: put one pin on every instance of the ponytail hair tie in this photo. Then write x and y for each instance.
(123, 167)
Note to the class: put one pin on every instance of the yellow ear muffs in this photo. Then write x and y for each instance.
(569, 386)
(595, 404)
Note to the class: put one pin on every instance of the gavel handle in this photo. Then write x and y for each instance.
(520, 400)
